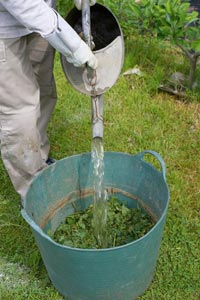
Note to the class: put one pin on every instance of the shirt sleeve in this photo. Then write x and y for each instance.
(35, 15)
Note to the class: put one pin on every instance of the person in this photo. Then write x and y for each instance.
(30, 31)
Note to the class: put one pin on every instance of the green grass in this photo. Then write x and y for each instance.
(137, 117)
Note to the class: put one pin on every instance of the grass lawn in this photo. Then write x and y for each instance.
(137, 117)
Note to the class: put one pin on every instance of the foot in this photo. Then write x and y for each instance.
(50, 161)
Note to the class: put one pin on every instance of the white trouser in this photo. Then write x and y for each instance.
(27, 99)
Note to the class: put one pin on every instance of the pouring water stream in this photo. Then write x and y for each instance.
(97, 151)
(97, 155)
(99, 194)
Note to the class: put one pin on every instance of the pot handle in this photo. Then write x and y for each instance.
(159, 158)
(86, 26)
(86, 22)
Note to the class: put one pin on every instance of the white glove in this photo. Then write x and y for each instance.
(65, 39)
(82, 56)
(78, 3)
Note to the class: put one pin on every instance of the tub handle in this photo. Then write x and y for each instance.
(159, 158)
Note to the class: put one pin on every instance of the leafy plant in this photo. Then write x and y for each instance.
(124, 225)
(172, 20)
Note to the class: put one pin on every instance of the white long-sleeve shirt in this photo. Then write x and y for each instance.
(21, 17)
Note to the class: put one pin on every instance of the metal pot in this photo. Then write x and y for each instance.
(109, 50)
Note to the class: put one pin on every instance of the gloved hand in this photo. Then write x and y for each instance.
(82, 56)
(65, 39)
(78, 3)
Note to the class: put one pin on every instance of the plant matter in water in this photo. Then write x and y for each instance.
(124, 225)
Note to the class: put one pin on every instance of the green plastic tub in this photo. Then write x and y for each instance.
(119, 273)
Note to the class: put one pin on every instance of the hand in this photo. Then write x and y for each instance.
(82, 56)
(78, 3)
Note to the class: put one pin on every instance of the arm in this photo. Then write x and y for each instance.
(38, 17)
(35, 15)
